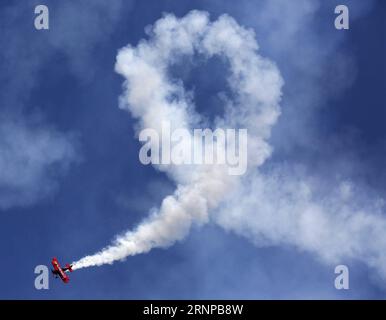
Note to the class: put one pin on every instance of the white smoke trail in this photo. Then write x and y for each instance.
(285, 206)
(153, 98)
(275, 207)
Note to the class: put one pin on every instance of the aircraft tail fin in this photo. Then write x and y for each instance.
(69, 267)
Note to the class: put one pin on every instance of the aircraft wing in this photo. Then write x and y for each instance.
(59, 271)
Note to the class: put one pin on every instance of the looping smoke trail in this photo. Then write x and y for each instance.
(278, 206)
(152, 98)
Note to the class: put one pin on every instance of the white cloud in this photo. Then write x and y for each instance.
(32, 157)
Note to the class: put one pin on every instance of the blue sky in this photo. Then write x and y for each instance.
(83, 182)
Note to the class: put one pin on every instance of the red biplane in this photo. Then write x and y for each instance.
(58, 271)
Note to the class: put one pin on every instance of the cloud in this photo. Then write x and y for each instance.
(33, 154)
(77, 28)
(32, 158)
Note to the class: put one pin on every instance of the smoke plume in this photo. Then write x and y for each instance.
(270, 205)
(153, 97)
